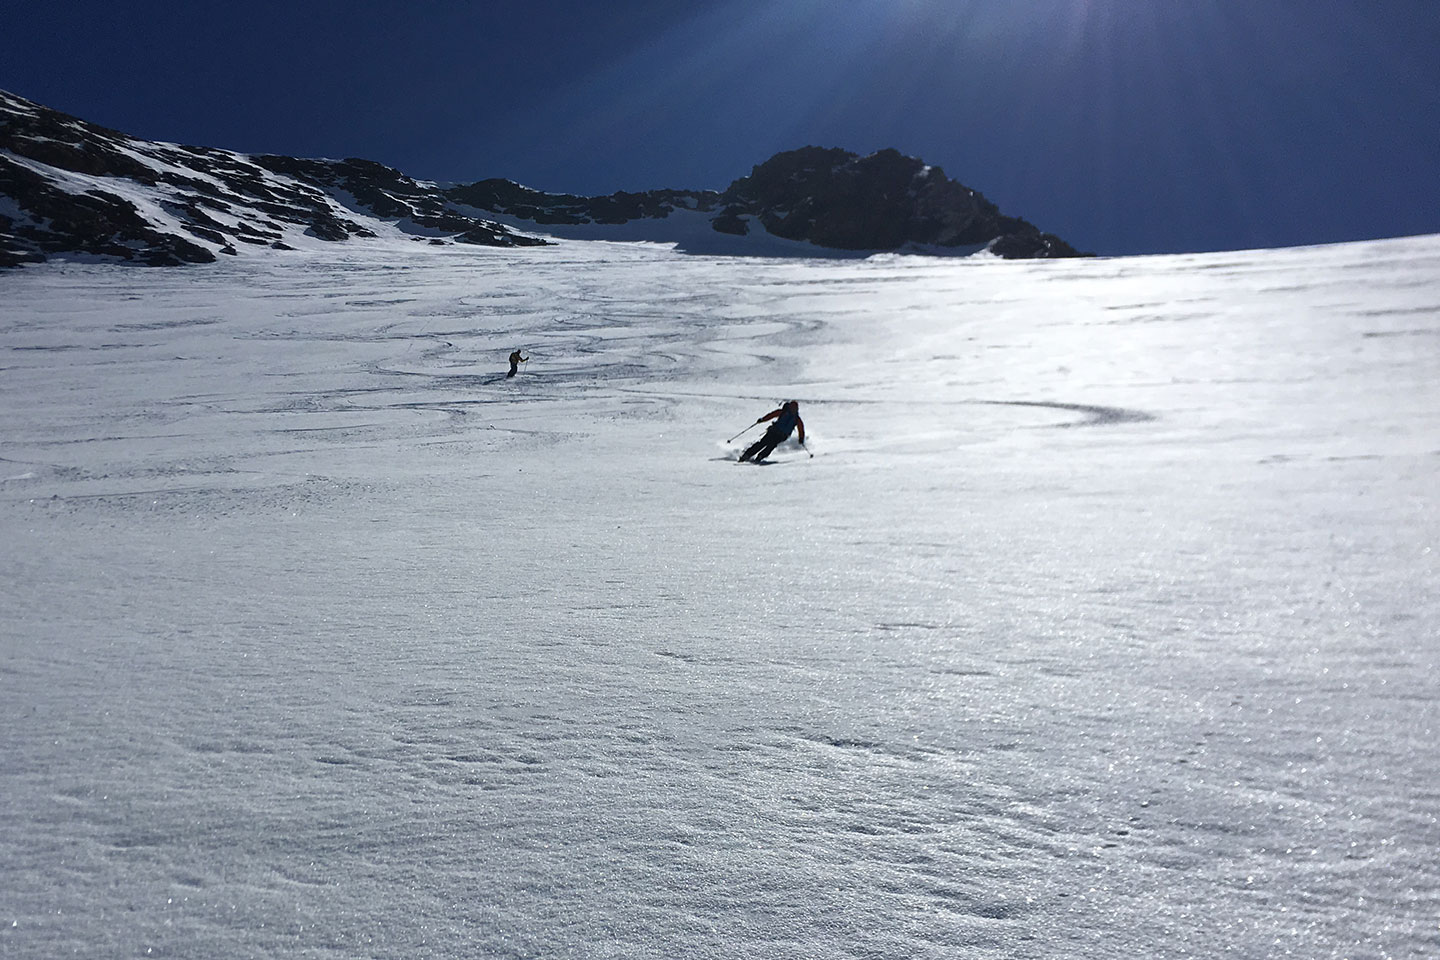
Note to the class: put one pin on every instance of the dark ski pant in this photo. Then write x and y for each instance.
(762, 448)
(513, 368)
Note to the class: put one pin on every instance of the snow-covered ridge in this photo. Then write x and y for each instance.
(74, 188)
(78, 188)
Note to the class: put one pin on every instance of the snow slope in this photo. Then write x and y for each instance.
(1101, 624)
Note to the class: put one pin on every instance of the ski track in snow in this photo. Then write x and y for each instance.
(1101, 624)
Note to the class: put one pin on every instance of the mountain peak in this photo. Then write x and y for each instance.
(884, 201)
(71, 187)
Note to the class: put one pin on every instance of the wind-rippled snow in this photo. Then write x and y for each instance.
(1102, 622)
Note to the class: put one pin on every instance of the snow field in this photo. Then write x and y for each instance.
(1101, 624)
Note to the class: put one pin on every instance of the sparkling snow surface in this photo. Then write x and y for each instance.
(1102, 623)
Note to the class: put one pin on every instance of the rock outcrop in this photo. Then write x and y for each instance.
(510, 198)
(886, 201)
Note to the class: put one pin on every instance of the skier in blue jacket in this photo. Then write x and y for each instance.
(787, 418)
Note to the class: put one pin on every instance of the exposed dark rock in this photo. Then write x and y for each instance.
(78, 156)
(245, 232)
(1031, 245)
(214, 236)
(490, 237)
(730, 220)
(10, 257)
(328, 228)
(510, 198)
(834, 198)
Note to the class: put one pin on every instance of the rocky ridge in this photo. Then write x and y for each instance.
(884, 201)
(69, 187)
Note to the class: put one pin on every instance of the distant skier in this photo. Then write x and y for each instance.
(515, 361)
(786, 418)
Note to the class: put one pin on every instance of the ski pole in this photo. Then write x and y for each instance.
(746, 430)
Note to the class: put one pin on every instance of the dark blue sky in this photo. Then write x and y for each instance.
(1124, 126)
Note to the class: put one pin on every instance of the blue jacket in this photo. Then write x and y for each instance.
(786, 418)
